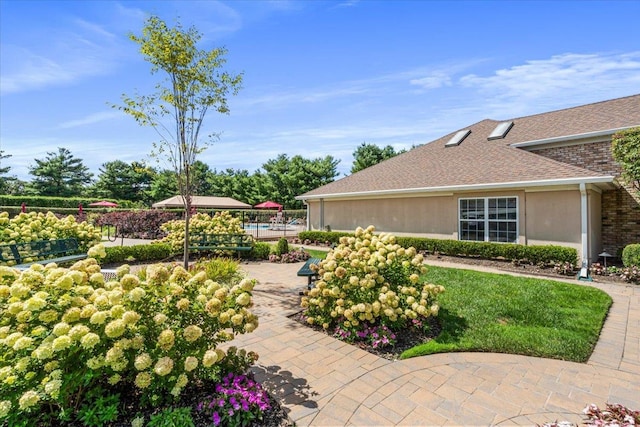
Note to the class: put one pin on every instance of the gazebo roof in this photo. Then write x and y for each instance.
(203, 202)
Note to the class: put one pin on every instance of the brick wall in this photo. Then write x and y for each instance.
(620, 207)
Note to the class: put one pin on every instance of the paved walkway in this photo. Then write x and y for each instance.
(325, 382)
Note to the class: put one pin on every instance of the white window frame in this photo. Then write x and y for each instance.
(486, 219)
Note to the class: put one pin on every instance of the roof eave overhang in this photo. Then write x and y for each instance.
(570, 138)
(604, 181)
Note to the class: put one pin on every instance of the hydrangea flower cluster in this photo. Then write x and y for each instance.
(156, 334)
(369, 281)
(221, 223)
(237, 400)
(31, 226)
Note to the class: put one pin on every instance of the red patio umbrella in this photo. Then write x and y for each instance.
(104, 204)
(268, 205)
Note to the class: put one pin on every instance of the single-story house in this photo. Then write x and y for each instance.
(208, 202)
(547, 178)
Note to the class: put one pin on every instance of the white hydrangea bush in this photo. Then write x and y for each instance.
(31, 226)
(222, 222)
(60, 328)
(370, 280)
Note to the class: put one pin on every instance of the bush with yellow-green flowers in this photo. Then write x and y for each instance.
(221, 223)
(369, 283)
(64, 332)
(27, 227)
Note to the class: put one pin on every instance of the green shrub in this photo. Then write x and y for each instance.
(54, 203)
(370, 281)
(282, 247)
(547, 254)
(222, 270)
(322, 236)
(147, 252)
(64, 332)
(631, 255)
(261, 250)
(172, 417)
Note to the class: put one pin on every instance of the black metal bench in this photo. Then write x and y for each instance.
(221, 242)
(306, 271)
(24, 254)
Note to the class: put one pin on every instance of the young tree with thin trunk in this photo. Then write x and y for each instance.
(195, 83)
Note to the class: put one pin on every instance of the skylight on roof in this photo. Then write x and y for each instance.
(457, 138)
(500, 131)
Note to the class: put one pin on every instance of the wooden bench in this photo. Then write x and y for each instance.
(306, 271)
(24, 254)
(221, 242)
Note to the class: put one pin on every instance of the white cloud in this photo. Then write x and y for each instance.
(79, 50)
(348, 3)
(434, 81)
(90, 119)
(560, 76)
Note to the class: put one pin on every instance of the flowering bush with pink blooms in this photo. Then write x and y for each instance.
(369, 282)
(614, 415)
(66, 331)
(237, 401)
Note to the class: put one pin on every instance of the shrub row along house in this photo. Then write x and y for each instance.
(543, 179)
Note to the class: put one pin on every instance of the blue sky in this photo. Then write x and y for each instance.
(320, 77)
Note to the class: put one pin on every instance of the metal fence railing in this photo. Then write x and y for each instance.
(270, 225)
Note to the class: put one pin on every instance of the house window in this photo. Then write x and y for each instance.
(489, 219)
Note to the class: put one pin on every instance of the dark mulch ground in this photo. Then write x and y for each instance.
(508, 266)
(405, 339)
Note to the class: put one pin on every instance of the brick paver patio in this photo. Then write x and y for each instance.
(325, 382)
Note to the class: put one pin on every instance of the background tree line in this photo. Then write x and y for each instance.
(281, 179)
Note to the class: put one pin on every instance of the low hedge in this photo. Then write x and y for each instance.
(631, 255)
(331, 237)
(58, 202)
(147, 252)
(542, 254)
(157, 252)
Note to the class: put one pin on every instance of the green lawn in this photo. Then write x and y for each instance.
(315, 253)
(500, 313)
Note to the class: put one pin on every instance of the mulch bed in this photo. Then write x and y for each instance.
(406, 339)
(508, 266)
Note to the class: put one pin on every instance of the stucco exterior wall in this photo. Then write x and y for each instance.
(433, 217)
(620, 223)
(544, 217)
(553, 218)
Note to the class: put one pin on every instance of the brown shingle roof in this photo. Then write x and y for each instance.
(477, 161)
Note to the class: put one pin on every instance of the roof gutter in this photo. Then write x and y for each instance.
(473, 187)
(568, 138)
